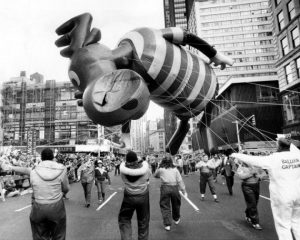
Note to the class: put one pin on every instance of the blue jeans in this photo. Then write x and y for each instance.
(169, 195)
(101, 186)
(140, 204)
(87, 188)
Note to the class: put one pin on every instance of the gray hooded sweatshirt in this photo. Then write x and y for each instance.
(49, 181)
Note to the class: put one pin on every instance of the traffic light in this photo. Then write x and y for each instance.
(253, 121)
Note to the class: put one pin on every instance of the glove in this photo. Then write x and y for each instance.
(221, 59)
(6, 167)
(185, 194)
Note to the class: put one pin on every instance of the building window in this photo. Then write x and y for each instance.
(288, 73)
(288, 110)
(266, 94)
(285, 46)
(298, 66)
(291, 9)
(295, 37)
(280, 20)
(291, 108)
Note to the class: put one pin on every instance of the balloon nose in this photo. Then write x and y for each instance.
(116, 98)
(101, 98)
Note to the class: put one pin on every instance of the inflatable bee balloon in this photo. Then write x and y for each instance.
(116, 85)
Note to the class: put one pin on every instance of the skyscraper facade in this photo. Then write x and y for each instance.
(138, 134)
(242, 30)
(175, 13)
(286, 17)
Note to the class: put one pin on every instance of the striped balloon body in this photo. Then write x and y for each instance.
(178, 79)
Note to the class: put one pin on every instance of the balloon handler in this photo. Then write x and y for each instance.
(115, 86)
(49, 182)
(284, 172)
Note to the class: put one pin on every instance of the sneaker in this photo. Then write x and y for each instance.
(257, 226)
(216, 200)
(87, 205)
(177, 222)
(248, 220)
(167, 228)
(202, 198)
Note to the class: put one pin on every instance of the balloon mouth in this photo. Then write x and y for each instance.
(116, 98)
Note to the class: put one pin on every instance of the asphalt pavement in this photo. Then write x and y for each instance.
(214, 221)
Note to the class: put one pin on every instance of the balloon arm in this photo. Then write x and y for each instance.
(201, 45)
(78, 95)
(221, 59)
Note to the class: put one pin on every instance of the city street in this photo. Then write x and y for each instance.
(88, 86)
(224, 220)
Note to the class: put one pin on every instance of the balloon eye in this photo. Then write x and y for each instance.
(74, 78)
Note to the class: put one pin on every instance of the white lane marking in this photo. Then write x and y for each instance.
(190, 202)
(21, 209)
(264, 197)
(106, 201)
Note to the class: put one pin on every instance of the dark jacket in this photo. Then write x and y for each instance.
(228, 168)
(101, 174)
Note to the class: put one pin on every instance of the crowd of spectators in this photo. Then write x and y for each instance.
(12, 184)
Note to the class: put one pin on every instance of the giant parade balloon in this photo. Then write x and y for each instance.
(116, 85)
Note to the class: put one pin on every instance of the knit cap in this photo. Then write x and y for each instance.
(131, 157)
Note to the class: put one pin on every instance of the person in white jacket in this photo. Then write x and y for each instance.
(284, 172)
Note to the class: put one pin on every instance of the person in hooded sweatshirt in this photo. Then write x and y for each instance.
(284, 173)
(49, 182)
(135, 176)
(171, 183)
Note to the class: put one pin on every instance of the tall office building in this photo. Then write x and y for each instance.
(138, 134)
(286, 17)
(242, 30)
(157, 141)
(176, 12)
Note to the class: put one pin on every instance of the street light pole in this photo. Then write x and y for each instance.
(238, 130)
(99, 138)
(238, 134)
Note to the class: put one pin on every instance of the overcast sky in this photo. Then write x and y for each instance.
(28, 30)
